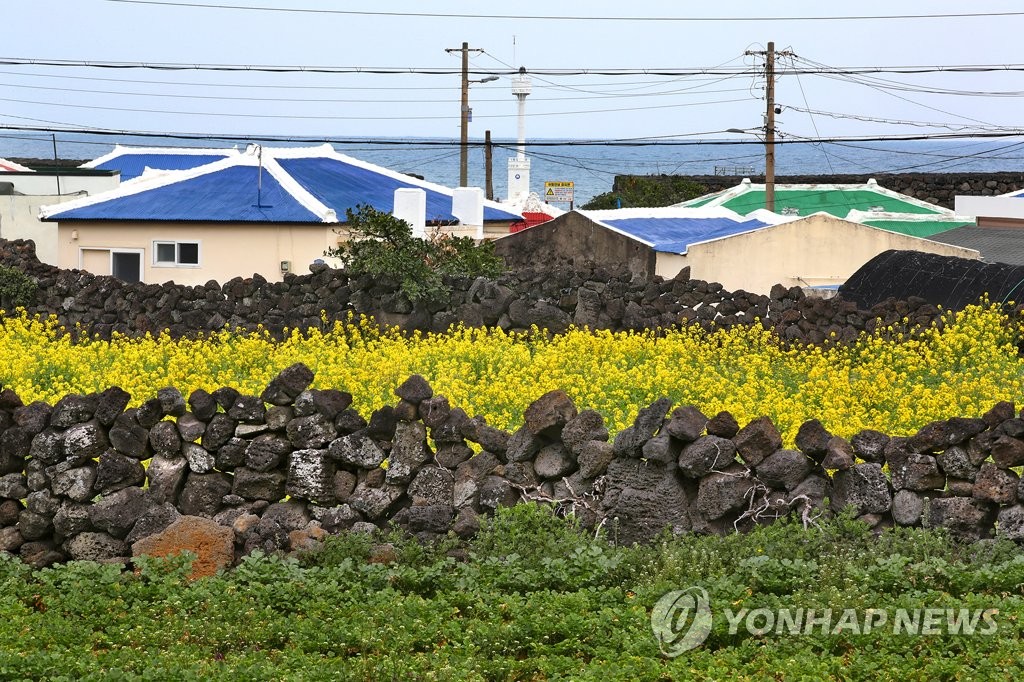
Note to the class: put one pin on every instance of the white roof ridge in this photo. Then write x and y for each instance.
(949, 216)
(15, 167)
(298, 192)
(126, 150)
(327, 151)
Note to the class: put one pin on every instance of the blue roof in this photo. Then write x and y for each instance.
(675, 235)
(132, 165)
(342, 185)
(298, 185)
(227, 195)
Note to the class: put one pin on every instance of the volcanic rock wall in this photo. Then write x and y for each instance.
(224, 474)
(935, 188)
(598, 298)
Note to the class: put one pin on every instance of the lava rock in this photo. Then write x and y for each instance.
(757, 440)
(547, 415)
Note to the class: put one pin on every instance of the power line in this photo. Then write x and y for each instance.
(267, 86)
(448, 71)
(440, 15)
(359, 118)
(619, 142)
(915, 103)
(892, 121)
(405, 100)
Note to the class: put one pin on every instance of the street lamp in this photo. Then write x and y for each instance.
(464, 148)
(769, 162)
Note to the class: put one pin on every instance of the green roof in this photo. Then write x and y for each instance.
(837, 202)
(915, 228)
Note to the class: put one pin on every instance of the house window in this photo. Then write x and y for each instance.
(176, 254)
(126, 265)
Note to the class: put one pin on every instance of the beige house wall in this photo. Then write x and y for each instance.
(225, 250)
(813, 251)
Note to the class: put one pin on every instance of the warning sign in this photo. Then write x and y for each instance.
(559, 191)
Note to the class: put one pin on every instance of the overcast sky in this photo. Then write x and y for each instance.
(578, 106)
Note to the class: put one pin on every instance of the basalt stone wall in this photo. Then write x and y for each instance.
(229, 474)
(935, 188)
(598, 297)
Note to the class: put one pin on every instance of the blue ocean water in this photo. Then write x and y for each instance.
(593, 167)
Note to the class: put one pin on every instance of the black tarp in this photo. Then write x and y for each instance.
(941, 280)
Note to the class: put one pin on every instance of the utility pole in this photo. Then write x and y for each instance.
(464, 133)
(488, 172)
(769, 121)
(769, 130)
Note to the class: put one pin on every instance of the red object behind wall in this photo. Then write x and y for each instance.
(530, 219)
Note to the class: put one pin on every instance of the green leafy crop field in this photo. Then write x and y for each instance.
(530, 598)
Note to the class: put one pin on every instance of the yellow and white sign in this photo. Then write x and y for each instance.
(559, 191)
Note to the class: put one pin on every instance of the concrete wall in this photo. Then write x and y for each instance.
(225, 251)
(813, 251)
(574, 239)
(19, 212)
(992, 211)
(19, 220)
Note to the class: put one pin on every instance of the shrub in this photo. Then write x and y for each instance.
(16, 288)
(383, 245)
(642, 191)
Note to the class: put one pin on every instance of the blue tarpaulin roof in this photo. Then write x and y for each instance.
(228, 195)
(132, 165)
(342, 185)
(675, 235)
(298, 185)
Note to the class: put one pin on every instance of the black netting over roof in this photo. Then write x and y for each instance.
(941, 280)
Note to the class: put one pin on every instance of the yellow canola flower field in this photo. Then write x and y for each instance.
(895, 385)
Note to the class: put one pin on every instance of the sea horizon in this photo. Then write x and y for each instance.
(590, 164)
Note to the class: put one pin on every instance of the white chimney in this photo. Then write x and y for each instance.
(468, 207)
(411, 206)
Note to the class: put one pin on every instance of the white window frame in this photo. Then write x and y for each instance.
(111, 250)
(177, 254)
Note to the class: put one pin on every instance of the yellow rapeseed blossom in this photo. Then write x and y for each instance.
(883, 381)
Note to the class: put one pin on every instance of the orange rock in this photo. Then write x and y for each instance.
(212, 544)
(306, 538)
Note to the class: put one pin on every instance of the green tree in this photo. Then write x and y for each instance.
(383, 245)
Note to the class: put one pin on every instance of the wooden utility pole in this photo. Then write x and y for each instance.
(488, 170)
(769, 120)
(769, 130)
(464, 132)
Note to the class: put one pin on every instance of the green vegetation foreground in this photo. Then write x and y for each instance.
(531, 598)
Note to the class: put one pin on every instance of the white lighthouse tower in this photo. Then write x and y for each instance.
(519, 165)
